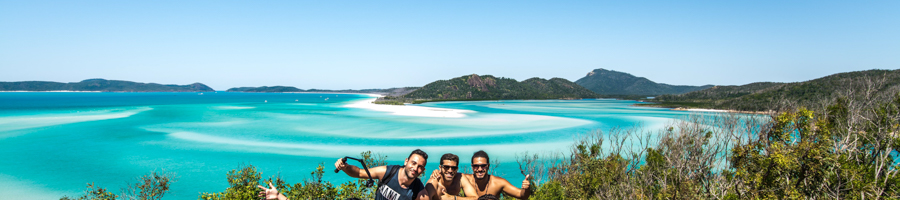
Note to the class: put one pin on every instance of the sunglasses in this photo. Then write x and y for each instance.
(448, 167)
(480, 166)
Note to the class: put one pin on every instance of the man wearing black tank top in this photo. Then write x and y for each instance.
(396, 182)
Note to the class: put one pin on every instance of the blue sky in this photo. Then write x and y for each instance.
(380, 44)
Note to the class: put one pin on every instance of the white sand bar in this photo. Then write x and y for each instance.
(705, 110)
(409, 110)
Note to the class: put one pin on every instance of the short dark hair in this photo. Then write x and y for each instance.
(420, 152)
(481, 154)
(450, 157)
(488, 197)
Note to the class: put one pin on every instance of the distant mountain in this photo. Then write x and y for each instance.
(763, 96)
(473, 87)
(608, 82)
(101, 85)
(276, 89)
(265, 89)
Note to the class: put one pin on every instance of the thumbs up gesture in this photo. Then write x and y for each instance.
(527, 182)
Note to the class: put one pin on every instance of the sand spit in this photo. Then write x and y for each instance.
(408, 110)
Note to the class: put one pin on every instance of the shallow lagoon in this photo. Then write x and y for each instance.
(52, 144)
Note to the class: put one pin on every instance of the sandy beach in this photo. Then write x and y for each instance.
(728, 111)
(702, 110)
(408, 110)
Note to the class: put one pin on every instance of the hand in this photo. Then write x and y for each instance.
(269, 193)
(444, 195)
(339, 165)
(436, 175)
(527, 182)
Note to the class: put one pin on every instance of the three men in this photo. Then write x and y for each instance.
(402, 182)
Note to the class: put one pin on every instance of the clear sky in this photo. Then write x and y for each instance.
(381, 44)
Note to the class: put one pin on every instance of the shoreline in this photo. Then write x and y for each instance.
(47, 91)
(407, 110)
(717, 110)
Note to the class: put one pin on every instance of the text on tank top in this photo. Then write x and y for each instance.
(392, 190)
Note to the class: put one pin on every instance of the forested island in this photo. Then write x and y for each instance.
(764, 96)
(487, 87)
(101, 85)
(610, 83)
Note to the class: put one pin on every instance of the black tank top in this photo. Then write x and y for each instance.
(389, 187)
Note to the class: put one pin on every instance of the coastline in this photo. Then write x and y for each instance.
(407, 110)
(47, 91)
(723, 111)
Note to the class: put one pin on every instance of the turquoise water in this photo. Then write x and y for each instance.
(52, 144)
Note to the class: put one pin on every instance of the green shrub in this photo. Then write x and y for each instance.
(243, 184)
(151, 186)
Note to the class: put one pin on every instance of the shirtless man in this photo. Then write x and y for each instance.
(446, 178)
(481, 183)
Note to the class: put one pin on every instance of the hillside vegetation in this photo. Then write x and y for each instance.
(762, 96)
(487, 87)
(265, 89)
(613, 84)
(101, 85)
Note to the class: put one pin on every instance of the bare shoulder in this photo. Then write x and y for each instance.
(499, 180)
(460, 178)
(466, 179)
(466, 176)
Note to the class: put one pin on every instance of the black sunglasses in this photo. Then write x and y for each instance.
(448, 167)
(480, 166)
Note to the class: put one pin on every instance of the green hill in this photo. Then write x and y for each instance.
(101, 85)
(265, 89)
(763, 96)
(609, 82)
(475, 87)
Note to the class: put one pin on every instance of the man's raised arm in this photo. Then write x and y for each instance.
(513, 191)
(356, 172)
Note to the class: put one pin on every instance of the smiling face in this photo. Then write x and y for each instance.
(480, 167)
(414, 165)
(449, 169)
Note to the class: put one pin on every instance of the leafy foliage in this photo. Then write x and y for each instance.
(94, 193)
(152, 186)
(147, 187)
(243, 184)
(845, 150)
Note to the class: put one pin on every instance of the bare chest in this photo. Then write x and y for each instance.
(489, 188)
